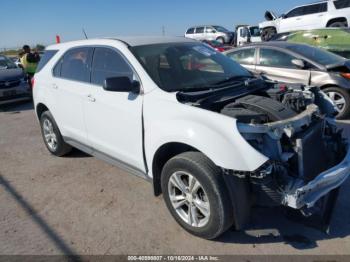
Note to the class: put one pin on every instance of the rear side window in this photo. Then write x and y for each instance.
(340, 4)
(245, 56)
(314, 9)
(48, 54)
(200, 30)
(76, 64)
(190, 31)
(108, 63)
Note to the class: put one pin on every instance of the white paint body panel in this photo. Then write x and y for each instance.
(113, 123)
(308, 22)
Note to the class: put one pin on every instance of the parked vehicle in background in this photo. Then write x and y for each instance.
(335, 40)
(218, 46)
(299, 63)
(210, 32)
(246, 34)
(200, 127)
(332, 13)
(13, 83)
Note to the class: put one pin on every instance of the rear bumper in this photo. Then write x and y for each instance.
(308, 194)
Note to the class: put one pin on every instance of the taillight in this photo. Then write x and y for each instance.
(32, 81)
(345, 75)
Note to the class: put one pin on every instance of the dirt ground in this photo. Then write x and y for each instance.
(81, 205)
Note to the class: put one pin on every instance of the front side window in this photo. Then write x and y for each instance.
(221, 29)
(245, 56)
(295, 12)
(275, 58)
(200, 30)
(340, 4)
(317, 55)
(76, 64)
(108, 63)
(187, 66)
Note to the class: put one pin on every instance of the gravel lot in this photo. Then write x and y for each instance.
(81, 205)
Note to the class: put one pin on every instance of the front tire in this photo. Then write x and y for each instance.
(341, 98)
(52, 136)
(196, 195)
(268, 33)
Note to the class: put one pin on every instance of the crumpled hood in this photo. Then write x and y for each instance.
(11, 74)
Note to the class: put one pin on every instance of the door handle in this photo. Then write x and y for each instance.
(91, 98)
(54, 86)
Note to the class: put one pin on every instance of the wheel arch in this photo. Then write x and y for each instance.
(337, 19)
(162, 155)
(40, 109)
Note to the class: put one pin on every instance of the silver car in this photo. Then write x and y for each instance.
(299, 63)
(210, 32)
(14, 86)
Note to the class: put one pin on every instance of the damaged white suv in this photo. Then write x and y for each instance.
(210, 136)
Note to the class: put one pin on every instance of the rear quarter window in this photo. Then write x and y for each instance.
(48, 54)
(340, 4)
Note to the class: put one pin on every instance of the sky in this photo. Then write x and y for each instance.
(40, 21)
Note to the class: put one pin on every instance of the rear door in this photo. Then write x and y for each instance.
(69, 86)
(277, 65)
(246, 57)
(114, 119)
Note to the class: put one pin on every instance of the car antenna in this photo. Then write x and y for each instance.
(86, 37)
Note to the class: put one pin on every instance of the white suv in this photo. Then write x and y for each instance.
(332, 13)
(209, 136)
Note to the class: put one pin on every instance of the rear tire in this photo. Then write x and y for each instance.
(203, 191)
(341, 98)
(52, 135)
(338, 24)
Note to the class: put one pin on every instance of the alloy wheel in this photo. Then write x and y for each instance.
(338, 99)
(189, 199)
(49, 134)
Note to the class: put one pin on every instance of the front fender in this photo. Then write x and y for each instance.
(213, 134)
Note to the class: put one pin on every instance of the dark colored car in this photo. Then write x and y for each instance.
(13, 82)
(300, 64)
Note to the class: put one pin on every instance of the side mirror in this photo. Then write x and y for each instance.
(283, 16)
(121, 84)
(298, 63)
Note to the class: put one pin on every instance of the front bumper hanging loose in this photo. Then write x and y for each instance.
(307, 195)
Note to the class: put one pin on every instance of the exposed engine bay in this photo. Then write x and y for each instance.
(295, 128)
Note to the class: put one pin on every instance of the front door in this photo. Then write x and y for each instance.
(277, 65)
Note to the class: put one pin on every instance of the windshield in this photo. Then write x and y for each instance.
(6, 63)
(317, 55)
(221, 29)
(254, 31)
(187, 66)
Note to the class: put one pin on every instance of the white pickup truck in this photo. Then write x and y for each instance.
(246, 34)
(331, 13)
(203, 130)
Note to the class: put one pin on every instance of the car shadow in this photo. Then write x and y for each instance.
(272, 225)
(17, 107)
(76, 153)
(42, 224)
